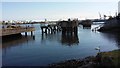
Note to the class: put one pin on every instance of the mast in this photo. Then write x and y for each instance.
(100, 15)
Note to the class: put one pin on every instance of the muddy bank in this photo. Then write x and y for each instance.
(101, 60)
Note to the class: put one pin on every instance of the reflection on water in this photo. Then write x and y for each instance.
(11, 41)
(64, 39)
(50, 37)
(69, 39)
(113, 37)
(41, 50)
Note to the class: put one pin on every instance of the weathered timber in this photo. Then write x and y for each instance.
(10, 31)
(69, 27)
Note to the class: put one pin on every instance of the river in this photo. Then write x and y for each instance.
(41, 50)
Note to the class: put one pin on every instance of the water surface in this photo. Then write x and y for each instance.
(41, 50)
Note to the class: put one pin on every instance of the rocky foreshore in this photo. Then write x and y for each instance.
(101, 60)
(75, 63)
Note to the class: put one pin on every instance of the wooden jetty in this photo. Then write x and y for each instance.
(86, 23)
(69, 27)
(11, 31)
(50, 28)
(65, 26)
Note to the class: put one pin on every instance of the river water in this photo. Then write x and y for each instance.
(41, 50)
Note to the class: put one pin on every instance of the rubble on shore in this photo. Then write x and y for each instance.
(101, 60)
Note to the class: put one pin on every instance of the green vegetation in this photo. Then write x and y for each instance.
(109, 59)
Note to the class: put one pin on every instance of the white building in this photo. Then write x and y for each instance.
(119, 7)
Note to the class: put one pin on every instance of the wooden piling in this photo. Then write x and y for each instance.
(31, 33)
(25, 33)
(69, 27)
(13, 31)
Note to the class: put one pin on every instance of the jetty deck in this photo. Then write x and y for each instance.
(10, 31)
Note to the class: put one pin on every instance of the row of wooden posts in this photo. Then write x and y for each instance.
(50, 29)
(67, 27)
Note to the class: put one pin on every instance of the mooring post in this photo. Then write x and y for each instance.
(46, 30)
(42, 29)
(25, 33)
(75, 30)
(31, 33)
(51, 30)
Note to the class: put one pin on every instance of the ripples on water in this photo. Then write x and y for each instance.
(41, 50)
